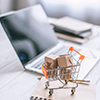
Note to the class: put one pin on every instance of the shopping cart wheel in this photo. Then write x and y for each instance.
(73, 90)
(66, 82)
(46, 84)
(51, 91)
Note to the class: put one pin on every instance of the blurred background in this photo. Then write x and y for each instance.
(85, 10)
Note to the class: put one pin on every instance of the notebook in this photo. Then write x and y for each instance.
(76, 39)
(73, 30)
(83, 92)
(72, 25)
(32, 38)
(82, 35)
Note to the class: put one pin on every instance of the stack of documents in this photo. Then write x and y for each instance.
(72, 29)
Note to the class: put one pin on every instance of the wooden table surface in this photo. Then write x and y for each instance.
(16, 83)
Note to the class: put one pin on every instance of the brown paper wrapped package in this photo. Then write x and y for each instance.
(65, 74)
(53, 74)
(51, 63)
(65, 61)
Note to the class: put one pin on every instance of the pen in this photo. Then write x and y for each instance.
(80, 80)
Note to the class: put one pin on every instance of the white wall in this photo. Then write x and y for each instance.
(25, 3)
(6, 5)
(9, 5)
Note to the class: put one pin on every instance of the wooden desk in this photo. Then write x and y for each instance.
(16, 83)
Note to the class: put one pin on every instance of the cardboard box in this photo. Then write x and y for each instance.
(64, 60)
(51, 61)
(65, 74)
(52, 74)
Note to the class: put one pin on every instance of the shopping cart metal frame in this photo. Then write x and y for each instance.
(71, 76)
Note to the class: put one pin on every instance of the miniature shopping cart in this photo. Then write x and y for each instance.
(65, 74)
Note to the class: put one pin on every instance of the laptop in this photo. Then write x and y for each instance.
(33, 38)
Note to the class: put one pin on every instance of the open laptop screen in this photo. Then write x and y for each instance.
(29, 32)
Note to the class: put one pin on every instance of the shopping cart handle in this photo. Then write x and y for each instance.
(81, 56)
(44, 71)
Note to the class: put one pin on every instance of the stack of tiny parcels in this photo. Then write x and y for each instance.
(61, 61)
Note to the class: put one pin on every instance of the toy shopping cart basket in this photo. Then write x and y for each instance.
(65, 74)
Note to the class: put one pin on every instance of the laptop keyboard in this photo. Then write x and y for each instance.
(61, 51)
